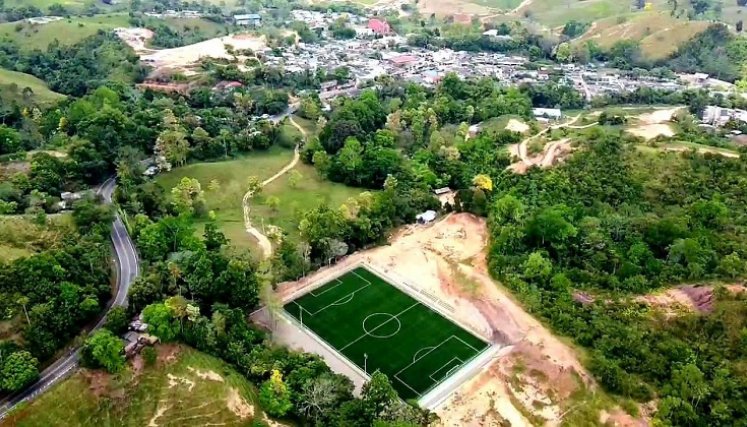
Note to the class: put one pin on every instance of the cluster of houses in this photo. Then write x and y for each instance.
(720, 116)
(378, 51)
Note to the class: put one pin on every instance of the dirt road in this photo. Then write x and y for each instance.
(263, 241)
(550, 151)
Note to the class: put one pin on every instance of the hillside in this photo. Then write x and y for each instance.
(69, 31)
(13, 85)
(555, 13)
(184, 388)
(658, 32)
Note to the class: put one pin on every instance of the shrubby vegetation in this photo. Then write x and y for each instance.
(54, 293)
(79, 68)
(609, 223)
(578, 241)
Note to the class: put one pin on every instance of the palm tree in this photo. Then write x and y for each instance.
(23, 302)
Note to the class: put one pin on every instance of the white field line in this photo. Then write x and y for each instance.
(361, 277)
(374, 329)
(339, 282)
(416, 361)
(407, 385)
(467, 344)
(461, 362)
(351, 295)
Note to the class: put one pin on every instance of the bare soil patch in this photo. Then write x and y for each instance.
(686, 298)
(167, 353)
(184, 58)
(98, 382)
(136, 38)
(552, 153)
(175, 381)
(652, 131)
(517, 126)
(446, 259)
(238, 405)
(206, 375)
(138, 364)
(655, 123)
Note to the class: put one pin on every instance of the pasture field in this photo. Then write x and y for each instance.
(665, 42)
(20, 237)
(67, 31)
(69, 5)
(189, 389)
(378, 327)
(41, 93)
(232, 177)
(498, 4)
(309, 192)
(556, 13)
(659, 33)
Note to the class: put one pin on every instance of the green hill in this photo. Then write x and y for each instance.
(184, 388)
(67, 31)
(658, 32)
(13, 85)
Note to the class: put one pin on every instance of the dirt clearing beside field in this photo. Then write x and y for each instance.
(535, 375)
(655, 124)
(517, 126)
(652, 131)
(185, 58)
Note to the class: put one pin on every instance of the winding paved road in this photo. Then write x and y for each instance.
(127, 269)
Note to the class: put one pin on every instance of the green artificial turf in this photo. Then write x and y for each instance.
(360, 314)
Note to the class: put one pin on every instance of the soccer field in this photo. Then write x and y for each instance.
(378, 327)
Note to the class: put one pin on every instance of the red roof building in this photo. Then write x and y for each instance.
(403, 60)
(462, 18)
(379, 27)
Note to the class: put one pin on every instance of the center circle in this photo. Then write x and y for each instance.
(381, 325)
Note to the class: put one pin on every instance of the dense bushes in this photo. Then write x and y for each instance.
(55, 292)
(628, 224)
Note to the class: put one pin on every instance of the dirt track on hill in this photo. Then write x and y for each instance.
(263, 241)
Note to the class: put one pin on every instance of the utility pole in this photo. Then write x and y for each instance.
(365, 363)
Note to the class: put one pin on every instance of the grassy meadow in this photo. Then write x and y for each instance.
(658, 32)
(310, 192)
(66, 31)
(555, 13)
(12, 84)
(232, 177)
(184, 388)
(20, 237)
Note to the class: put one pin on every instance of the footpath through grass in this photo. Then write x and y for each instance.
(379, 327)
(310, 191)
(193, 390)
(232, 177)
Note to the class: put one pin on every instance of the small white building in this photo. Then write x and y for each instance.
(426, 217)
(248, 20)
(547, 113)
